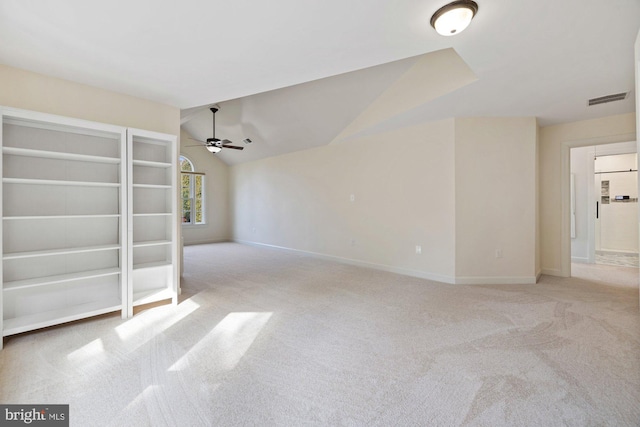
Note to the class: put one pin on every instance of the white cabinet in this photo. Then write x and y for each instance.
(153, 229)
(89, 223)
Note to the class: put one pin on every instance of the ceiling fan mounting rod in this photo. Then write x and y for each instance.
(214, 110)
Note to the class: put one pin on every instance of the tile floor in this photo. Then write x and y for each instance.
(617, 258)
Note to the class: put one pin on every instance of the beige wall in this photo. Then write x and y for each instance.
(403, 197)
(37, 92)
(555, 142)
(216, 172)
(495, 200)
(455, 187)
(403, 187)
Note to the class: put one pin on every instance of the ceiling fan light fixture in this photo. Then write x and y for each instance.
(454, 17)
(213, 149)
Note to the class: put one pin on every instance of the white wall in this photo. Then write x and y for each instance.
(637, 86)
(618, 220)
(217, 227)
(404, 195)
(496, 200)
(582, 172)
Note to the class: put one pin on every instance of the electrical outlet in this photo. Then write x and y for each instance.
(352, 198)
(498, 253)
(418, 250)
(253, 230)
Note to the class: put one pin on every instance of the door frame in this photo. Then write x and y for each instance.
(565, 190)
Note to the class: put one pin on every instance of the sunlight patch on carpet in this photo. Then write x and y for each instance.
(159, 320)
(87, 352)
(228, 341)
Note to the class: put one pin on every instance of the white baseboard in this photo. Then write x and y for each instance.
(358, 263)
(552, 272)
(407, 272)
(480, 280)
(538, 274)
(205, 242)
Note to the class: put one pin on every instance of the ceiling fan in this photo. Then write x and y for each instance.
(215, 145)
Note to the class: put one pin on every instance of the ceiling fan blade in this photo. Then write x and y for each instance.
(233, 147)
(197, 145)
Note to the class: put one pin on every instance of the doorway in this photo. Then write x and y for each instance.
(604, 204)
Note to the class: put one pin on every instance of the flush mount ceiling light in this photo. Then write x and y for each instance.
(454, 17)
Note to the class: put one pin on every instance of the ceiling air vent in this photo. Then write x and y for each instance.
(608, 98)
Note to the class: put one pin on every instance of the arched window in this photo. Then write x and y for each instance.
(192, 193)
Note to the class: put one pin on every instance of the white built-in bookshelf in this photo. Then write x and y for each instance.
(152, 212)
(89, 222)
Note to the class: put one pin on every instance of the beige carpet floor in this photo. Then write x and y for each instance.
(266, 337)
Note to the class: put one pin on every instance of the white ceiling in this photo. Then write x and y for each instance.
(540, 58)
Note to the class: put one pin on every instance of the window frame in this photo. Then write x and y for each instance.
(192, 193)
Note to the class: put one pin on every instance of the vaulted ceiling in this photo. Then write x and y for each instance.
(293, 74)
